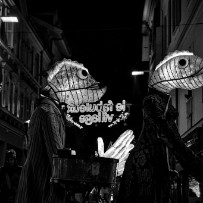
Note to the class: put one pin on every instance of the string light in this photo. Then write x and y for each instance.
(121, 117)
(70, 119)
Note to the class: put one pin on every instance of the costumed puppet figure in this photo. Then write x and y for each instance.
(146, 178)
(68, 83)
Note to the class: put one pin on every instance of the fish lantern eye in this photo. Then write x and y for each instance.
(82, 74)
(183, 63)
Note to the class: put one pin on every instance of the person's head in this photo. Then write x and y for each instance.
(10, 159)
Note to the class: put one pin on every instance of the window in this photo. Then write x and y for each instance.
(36, 68)
(1, 85)
(169, 22)
(177, 103)
(16, 102)
(27, 107)
(189, 109)
(23, 52)
(30, 60)
(13, 98)
(22, 102)
(202, 94)
(32, 105)
(176, 13)
(10, 95)
(10, 34)
(165, 34)
(5, 88)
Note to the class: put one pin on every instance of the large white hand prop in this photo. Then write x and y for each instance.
(119, 150)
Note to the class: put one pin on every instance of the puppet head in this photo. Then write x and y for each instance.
(180, 69)
(70, 82)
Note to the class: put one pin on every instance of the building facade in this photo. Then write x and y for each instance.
(170, 25)
(24, 55)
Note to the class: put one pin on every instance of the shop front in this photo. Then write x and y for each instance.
(191, 189)
(12, 135)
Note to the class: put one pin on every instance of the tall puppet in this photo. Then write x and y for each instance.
(146, 176)
(69, 83)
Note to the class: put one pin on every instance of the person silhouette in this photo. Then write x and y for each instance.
(9, 177)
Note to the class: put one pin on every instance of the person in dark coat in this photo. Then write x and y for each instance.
(147, 173)
(9, 178)
(68, 83)
(146, 178)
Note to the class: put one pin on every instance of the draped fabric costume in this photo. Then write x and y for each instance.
(68, 83)
(47, 134)
(146, 175)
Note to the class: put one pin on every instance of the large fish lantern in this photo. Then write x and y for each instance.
(146, 177)
(70, 82)
(180, 69)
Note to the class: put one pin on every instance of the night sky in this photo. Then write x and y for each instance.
(106, 39)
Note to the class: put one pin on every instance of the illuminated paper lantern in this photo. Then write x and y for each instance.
(180, 69)
(70, 82)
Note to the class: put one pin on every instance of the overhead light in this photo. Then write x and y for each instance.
(27, 121)
(11, 19)
(137, 72)
(140, 72)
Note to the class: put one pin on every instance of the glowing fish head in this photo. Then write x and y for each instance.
(70, 82)
(181, 69)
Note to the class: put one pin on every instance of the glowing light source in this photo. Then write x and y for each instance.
(137, 72)
(7, 19)
(28, 121)
(103, 113)
(194, 186)
(179, 69)
(142, 72)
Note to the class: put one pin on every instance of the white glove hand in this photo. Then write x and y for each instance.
(119, 150)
